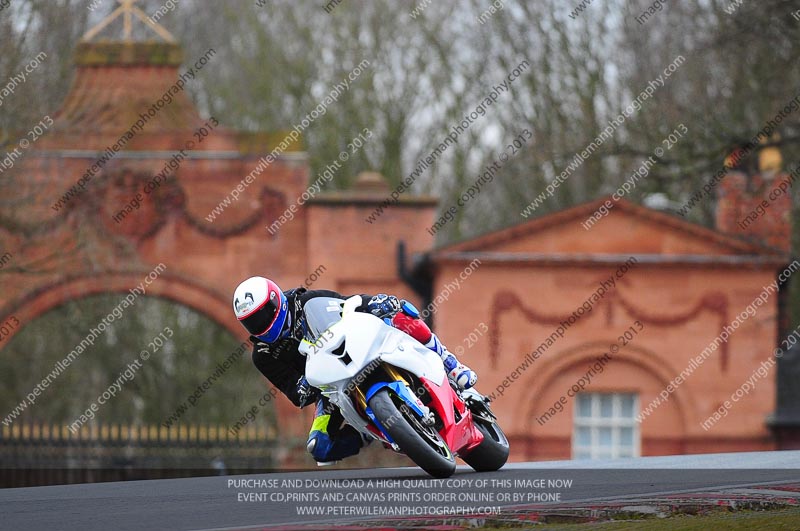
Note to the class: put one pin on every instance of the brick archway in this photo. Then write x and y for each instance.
(91, 221)
(29, 306)
(652, 378)
(212, 304)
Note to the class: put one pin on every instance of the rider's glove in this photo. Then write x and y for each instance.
(383, 306)
(305, 393)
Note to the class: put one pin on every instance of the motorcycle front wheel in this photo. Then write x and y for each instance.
(420, 442)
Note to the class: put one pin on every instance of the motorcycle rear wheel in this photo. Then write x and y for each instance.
(492, 453)
(421, 443)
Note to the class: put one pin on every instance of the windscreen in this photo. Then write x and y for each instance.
(321, 313)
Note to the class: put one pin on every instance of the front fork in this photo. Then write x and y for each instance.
(401, 389)
(458, 431)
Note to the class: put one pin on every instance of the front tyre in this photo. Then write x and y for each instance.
(421, 443)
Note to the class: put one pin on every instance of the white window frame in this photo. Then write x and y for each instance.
(616, 423)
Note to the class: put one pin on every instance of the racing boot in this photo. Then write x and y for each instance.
(459, 374)
(327, 448)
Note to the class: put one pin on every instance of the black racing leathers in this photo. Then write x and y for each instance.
(281, 362)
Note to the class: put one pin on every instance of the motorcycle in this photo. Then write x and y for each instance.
(391, 388)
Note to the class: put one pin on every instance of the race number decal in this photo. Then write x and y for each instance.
(342, 354)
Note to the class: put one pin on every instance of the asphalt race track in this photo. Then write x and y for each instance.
(275, 500)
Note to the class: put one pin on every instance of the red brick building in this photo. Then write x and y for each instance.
(130, 220)
(515, 286)
(672, 288)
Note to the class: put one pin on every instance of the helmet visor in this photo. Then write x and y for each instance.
(262, 319)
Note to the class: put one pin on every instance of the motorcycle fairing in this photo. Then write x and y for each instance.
(457, 434)
(375, 339)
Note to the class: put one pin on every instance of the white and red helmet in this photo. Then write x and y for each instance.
(261, 307)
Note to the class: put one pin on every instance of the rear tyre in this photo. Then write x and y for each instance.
(421, 443)
(492, 453)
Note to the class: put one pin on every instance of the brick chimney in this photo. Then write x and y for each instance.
(757, 204)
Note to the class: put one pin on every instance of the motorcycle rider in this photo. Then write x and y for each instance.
(276, 323)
